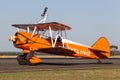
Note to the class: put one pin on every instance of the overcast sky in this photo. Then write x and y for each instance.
(89, 19)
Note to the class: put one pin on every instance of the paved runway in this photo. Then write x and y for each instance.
(11, 65)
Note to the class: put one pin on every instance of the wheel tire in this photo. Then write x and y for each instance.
(21, 59)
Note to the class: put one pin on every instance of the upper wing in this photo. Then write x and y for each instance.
(58, 51)
(44, 26)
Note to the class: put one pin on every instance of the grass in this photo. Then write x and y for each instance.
(93, 74)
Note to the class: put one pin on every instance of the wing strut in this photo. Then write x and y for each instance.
(55, 40)
(34, 31)
(51, 36)
(28, 29)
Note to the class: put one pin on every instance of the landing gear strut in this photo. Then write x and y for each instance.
(29, 56)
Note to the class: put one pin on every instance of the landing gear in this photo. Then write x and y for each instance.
(29, 56)
(22, 59)
(99, 62)
(32, 60)
(28, 59)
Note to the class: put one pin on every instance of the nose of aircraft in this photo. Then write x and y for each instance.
(12, 38)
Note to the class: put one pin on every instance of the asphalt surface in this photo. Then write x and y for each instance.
(11, 65)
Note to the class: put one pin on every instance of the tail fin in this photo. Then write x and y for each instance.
(102, 48)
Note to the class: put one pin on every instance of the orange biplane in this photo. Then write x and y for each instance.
(51, 37)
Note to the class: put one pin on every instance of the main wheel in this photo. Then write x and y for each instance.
(22, 59)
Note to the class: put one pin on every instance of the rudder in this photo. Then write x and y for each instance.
(102, 45)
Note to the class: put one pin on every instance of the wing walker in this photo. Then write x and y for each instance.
(51, 37)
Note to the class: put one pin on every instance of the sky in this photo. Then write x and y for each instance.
(89, 19)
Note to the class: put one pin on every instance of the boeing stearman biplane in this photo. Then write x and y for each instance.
(51, 37)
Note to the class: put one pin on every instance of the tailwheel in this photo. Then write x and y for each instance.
(33, 60)
(22, 59)
(99, 62)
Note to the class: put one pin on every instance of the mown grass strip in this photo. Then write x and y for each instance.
(93, 74)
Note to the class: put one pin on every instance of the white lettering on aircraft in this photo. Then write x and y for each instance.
(78, 51)
(82, 52)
